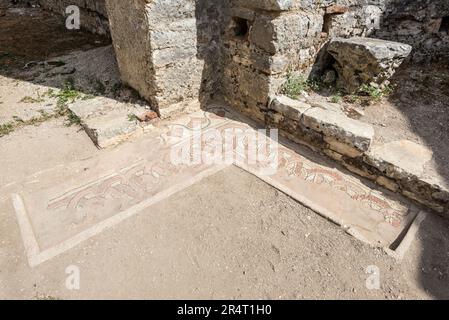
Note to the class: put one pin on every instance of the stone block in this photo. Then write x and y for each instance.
(403, 157)
(364, 61)
(356, 134)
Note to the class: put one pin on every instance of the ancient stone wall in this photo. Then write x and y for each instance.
(168, 49)
(175, 52)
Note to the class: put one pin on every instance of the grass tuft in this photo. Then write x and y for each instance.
(374, 93)
(65, 96)
(296, 85)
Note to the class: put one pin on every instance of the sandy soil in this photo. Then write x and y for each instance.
(32, 34)
(417, 110)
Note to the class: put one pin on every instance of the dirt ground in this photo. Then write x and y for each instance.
(34, 91)
(229, 236)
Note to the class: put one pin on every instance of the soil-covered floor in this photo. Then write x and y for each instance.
(229, 236)
(44, 66)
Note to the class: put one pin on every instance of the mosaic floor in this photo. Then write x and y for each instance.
(60, 208)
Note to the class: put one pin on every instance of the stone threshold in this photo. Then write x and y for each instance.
(397, 166)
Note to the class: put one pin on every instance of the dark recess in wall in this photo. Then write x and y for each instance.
(445, 25)
(241, 27)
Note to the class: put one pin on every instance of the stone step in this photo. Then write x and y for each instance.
(399, 166)
(58, 209)
(109, 122)
(332, 129)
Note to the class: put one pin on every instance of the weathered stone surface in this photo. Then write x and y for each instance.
(177, 52)
(93, 13)
(165, 49)
(70, 204)
(109, 122)
(289, 108)
(281, 33)
(366, 61)
(387, 183)
(401, 156)
(344, 135)
(277, 41)
(400, 165)
(358, 21)
(172, 51)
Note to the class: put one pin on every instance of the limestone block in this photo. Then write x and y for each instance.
(335, 125)
(403, 157)
(107, 121)
(286, 32)
(162, 48)
(93, 13)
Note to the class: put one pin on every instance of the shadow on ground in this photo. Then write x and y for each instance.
(434, 262)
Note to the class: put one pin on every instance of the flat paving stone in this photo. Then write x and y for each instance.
(405, 155)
